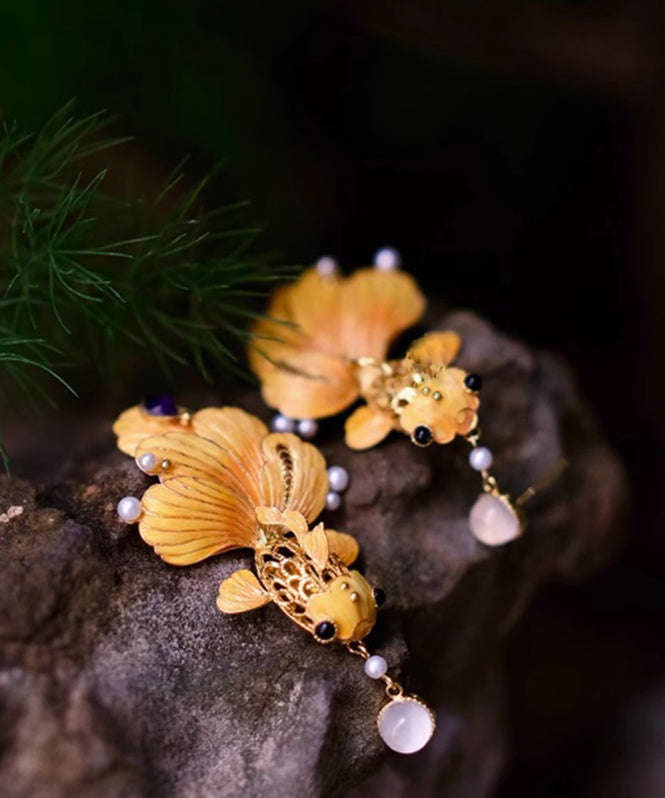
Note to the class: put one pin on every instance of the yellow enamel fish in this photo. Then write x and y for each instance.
(225, 483)
(324, 346)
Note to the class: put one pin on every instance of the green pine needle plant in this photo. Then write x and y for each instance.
(84, 272)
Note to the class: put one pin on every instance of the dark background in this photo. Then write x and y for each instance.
(515, 154)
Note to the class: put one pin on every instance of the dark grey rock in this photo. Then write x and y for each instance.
(120, 678)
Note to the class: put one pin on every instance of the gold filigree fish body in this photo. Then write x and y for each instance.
(325, 345)
(315, 589)
(226, 483)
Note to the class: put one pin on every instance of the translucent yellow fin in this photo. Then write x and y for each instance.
(189, 455)
(271, 516)
(238, 433)
(309, 385)
(226, 446)
(242, 591)
(435, 348)
(376, 307)
(134, 424)
(294, 475)
(366, 427)
(315, 544)
(304, 363)
(187, 519)
(343, 545)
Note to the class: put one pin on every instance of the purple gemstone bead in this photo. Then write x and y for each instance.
(160, 405)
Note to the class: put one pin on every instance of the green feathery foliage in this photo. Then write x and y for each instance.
(82, 270)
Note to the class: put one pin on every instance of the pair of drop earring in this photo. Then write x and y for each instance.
(226, 482)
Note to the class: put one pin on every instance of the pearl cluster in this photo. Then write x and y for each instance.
(129, 508)
(338, 482)
(386, 259)
(305, 427)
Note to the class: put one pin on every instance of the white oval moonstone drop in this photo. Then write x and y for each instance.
(129, 509)
(387, 259)
(493, 522)
(280, 423)
(147, 462)
(333, 501)
(480, 458)
(307, 428)
(326, 266)
(338, 478)
(406, 725)
(375, 666)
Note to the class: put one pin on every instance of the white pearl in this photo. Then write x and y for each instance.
(493, 522)
(129, 509)
(375, 666)
(480, 458)
(280, 423)
(326, 266)
(387, 259)
(406, 725)
(333, 501)
(307, 428)
(147, 462)
(338, 478)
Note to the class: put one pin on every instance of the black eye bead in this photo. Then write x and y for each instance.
(473, 382)
(379, 596)
(422, 435)
(325, 630)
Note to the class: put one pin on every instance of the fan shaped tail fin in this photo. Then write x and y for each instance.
(304, 352)
(294, 475)
(187, 519)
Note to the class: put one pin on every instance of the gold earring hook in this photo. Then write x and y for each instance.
(544, 481)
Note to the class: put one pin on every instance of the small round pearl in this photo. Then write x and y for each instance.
(280, 423)
(129, 509)
(333, 501)
(326, 266)
(375, 666)
(147, 462)
(406, 725)
(387, 259)
(307, 428)
(338, 478)
(480, 458)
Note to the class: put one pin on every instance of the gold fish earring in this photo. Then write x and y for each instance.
(226, 483)
(324, 345)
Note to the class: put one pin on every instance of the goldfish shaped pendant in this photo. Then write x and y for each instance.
(225, 483)
(324, 346)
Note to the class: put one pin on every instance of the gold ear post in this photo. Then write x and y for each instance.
(544, 481)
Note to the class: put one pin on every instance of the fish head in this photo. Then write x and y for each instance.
(438, 407)
(345, 610)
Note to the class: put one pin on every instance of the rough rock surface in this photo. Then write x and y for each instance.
(118, 676)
